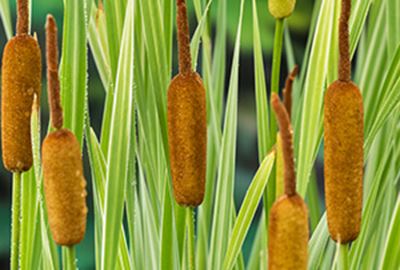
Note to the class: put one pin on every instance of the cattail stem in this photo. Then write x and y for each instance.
(343, 256)
(16, 222)
(69, 258)
(287, 92)
(185, 59)
(277, 55)
(287, 144)
(269, 193)
(22, 17)
(190, 237)
(344, 43)
(52, 73)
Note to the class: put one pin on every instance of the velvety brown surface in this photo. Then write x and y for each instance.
(344, 159)
(281, 8)
(21, 79)
(65, 187)
(187, 137)
(288, 234)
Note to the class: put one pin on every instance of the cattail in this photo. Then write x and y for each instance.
(287, 91)
(281, 8)
(288, 221)
(64, 182)
(343, 143)
(21, 81)
(187, 123)
(287, 101)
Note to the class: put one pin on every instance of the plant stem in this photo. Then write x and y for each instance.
(190, 237)
(68, 258)
(276, 59)
(342, 260)
(16, 221)
(269, 194)
(343, 257)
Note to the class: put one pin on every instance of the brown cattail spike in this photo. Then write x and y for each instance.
(21, 80)
(185, 59)
(344, 43)
(288, 220)
(187, 122)
(64, 182)
(344, 159)
(343, 145)
(53, 82)
(286, 134)
(187, 137)
(65, 187)
(23, 17)
(287, 92)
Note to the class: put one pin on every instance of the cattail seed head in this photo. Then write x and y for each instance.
(288, 234)
(343, 145)
(187, 122)
(187, 137)
(65, 187)
(281, 8)
(344, 158)
(288, 220)
(64, 182)
(21, 80)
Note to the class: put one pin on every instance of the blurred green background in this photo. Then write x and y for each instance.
(247, 145)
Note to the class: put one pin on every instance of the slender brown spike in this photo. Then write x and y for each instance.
(344, 44)
(287, 92)
(53, 83)
(23, 17)
(287, 144)
(185, 59)
(100, 5)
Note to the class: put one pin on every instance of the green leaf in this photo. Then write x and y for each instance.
(391, 254)
(387, 100)
(97, 37)
(264, 135)
(247, 210)
(311, 121)
(225, 183)
(6, 17)
(118, 154)
(115, 10)
(73, 69)
(98, 169)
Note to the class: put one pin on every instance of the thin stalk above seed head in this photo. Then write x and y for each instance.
(288, 220)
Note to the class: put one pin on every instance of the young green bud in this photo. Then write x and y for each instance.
(281, 8)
